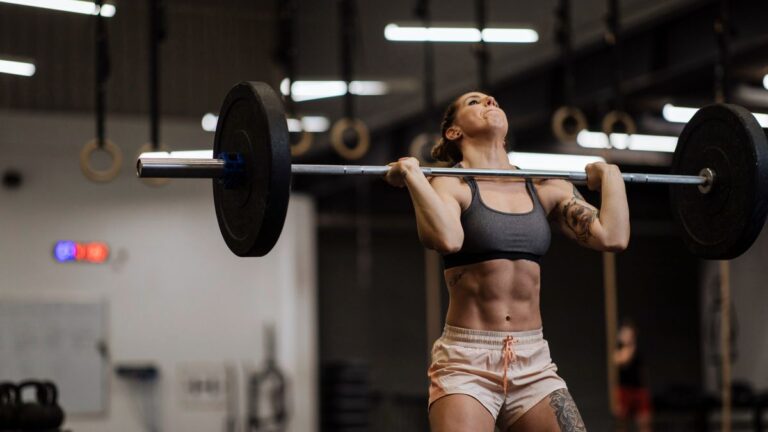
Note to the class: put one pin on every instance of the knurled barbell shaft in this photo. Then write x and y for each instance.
(215, 168)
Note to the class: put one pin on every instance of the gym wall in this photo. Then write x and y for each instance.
(175, 297)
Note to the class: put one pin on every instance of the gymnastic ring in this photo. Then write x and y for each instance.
(155, 182)
(363, 138)
(105, 175)
(614, 118)
(567, 122)
(303, 144)
(420, 141)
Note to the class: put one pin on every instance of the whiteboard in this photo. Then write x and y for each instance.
(57, 340)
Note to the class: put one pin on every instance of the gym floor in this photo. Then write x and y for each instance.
(123, 294)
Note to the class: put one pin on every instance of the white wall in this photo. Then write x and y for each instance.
(176, 295)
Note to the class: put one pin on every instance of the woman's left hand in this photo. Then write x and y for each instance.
(400, 169)
(597, 171)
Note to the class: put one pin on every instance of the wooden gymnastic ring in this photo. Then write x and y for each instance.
(363, 138)
(567, 122)
(614, 118)
(155, 182)
(416, 149)
(105, 175)
(303, 144)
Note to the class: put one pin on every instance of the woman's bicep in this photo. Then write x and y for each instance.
(448, 189)
(451, 208)
(576, 218)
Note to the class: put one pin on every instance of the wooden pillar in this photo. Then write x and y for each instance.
(725, 343)
(611, 327)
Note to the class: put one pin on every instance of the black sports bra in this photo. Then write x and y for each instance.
(492, 234)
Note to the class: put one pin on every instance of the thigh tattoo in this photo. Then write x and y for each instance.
(568, 417)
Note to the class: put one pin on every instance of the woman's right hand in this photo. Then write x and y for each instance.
(399, 170)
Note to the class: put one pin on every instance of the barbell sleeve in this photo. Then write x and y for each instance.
(179, 168)
(215, 168)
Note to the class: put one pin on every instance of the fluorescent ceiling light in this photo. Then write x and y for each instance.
(17, 68)
(310, 90)
(549, 161)
(394, 32)
(510, 35)
(368, 88)
(676, 114)
(185, 154)
(620, 141)
(765, 82)
(76, 6)
(307, 123)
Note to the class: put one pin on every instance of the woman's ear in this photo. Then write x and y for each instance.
(453, 133)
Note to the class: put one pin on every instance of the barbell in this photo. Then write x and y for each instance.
(718, 181)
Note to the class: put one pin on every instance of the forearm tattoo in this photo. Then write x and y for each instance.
(568, 417)
(579, 217)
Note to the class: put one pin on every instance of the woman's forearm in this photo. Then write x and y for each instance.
(614, 211)
(438, 226)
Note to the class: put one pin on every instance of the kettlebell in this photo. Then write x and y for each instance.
(54, 415)
(9, 401)
(31, 414)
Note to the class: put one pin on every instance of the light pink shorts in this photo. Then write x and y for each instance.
(507, 372)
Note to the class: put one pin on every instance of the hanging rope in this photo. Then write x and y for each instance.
(481, 49)
(347, 18)
(348, 25)
(157, 35)
(722, 70)
(423, 13)
(285, 55)
(612, 38)
(617, 120)
(567, 120)
(285, 51)
(422, 144)
(102, 73)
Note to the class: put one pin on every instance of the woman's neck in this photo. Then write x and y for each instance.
(484, 155)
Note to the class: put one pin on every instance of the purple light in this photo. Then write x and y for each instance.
(65, 250)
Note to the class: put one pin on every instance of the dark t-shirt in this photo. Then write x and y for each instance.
(630, 374)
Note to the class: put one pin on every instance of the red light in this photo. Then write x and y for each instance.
(80, 252)
(96, 252)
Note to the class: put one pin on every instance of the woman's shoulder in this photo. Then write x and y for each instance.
(553, 185)
(553, 191)
(457, 187)
(448, 183)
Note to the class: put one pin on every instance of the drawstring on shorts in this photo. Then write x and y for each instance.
(508, 352)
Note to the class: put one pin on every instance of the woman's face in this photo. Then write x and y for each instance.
(626, 335)
(478, 114)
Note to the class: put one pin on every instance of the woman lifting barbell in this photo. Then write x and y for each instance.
(492, 232)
